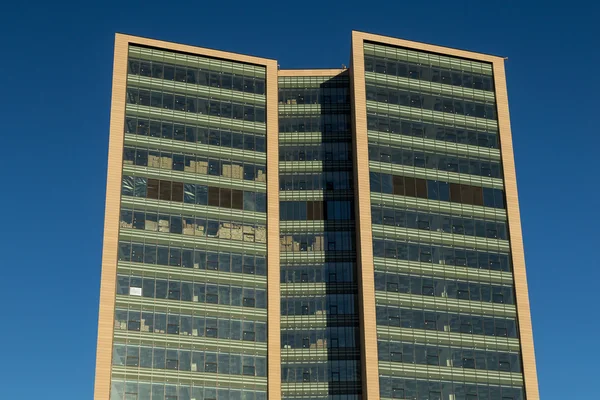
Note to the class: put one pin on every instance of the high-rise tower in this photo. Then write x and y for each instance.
(312, 234)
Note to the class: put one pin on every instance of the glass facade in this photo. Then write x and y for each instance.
(319, 317)
(190, 317)
(377, 262)
(414, 105)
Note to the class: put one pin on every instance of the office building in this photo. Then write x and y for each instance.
(343, 234)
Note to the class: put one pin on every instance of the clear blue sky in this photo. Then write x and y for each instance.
(55, 76)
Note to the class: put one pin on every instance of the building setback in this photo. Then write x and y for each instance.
(343, 234)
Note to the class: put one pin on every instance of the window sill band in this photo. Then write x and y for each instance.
(318, 354)
(299, 257)
(195, 119)
(404, 300)
(423, 336)
(183, 341)
(318, 389)
(436, 175)
(443, 271)
(186, 377)
(434, 88)
(436, 146)
(187, 307)
(197, 148)
(449, 373)
(435, 117)
(316, 225)
(449, 239)
(192, 89)
(318, 321)
(289, 290)
(312, 137)
(319, 194)
(437, 206)
(314, 166)
(188, 177)
(193, 242)
(191, 274)
(191, 209)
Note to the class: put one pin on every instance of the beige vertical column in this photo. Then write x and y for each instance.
(364, 237)
(273, 268)
(111, 222)
(516, 237)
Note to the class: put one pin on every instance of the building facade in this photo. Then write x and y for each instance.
(344, 234)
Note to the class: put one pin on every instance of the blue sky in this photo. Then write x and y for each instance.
(55, 76)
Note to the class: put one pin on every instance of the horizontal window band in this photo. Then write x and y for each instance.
(423, 336)
(186, 307)
(448, 105)
(190, 227)
(428, 87)
(415, 128)
(346, 284)
(314, 166)
(397, 215)
(221, 166)
(444, 304)
(191, 342)
(300, 257)
(317, 109)
(443, 271)
(185, 377)
(300, 389)
(316, 354)
(315, 226)
(406, 353)
(442, 254)
(195, 119)
(318, 321)
(448, 373)
(195, 61)
(290, 290)
(120, 384)
(336, 102)
(196, 137)
(316, 215)
(142, 203)
(424, 236)
(193, 242)
(306, 138)
(436, 282)
(191, 274)
(300, 195)
(317, 329)
(423, 57)
(436, 206)
(174, 87)
(437, 146)
(436, 117)
(201, 149)
(317, 242)
(436, 175)
(203, 106)
(186, 177)
(301, 82)
(439, 160)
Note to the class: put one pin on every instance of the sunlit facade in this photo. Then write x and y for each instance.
(343, 234)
